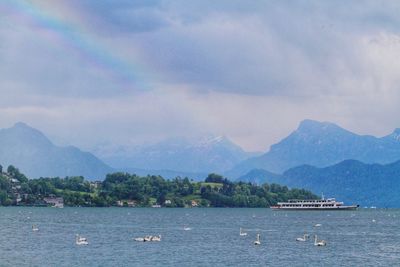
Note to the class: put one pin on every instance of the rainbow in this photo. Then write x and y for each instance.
(71, 35)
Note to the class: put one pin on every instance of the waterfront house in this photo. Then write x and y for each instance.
(195, 203)
(54, 201)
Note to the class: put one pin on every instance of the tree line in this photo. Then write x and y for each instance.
(124, 189)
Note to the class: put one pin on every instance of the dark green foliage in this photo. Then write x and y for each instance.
(14, 172)
(214, 178)
(5, 183)
(131, 190)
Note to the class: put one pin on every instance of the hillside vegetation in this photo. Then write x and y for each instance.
(123, 189)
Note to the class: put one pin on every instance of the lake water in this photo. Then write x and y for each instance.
(354, 238)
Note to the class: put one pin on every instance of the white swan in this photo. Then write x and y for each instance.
(303, 239)
(318, 225)
(79, 240)
(156, 238)
(241, 232)
(257, 242)
(148, 238)
(34, 228)
(319, 243)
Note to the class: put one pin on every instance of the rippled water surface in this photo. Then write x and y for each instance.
(354, 238)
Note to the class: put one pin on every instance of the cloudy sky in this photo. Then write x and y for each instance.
(88, 71)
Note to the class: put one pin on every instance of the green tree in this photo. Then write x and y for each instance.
(15, 173)
(214, 178)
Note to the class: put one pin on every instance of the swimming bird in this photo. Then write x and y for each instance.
(147, 238)
(319, 243)
(156, 238)
(303, 239)
(257, 242)
(79, 240)
(186, 228)
(318, 225)
(241, 233)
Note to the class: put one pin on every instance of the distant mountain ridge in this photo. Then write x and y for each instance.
(209, 154)
(167, 174)
(351, 181)
(261, 176)
(322, 144)
(35, 155)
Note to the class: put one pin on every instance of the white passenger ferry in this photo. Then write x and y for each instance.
(313, 204)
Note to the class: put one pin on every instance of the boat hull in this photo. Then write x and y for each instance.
(354, 207)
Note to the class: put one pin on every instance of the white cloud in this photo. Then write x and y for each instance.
(249, 72)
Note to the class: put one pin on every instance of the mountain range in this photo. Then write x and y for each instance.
(322, 144)
(197, 156)
(319, 156)
(36, 156)
(351, 181)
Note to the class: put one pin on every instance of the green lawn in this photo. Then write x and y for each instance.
(79, 192)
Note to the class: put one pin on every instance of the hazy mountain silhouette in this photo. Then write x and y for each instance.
(322, 144)
(351, 181)
(210, 154)
(36, 156)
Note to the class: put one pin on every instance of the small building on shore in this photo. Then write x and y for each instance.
(126, 203)
(54, 201)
